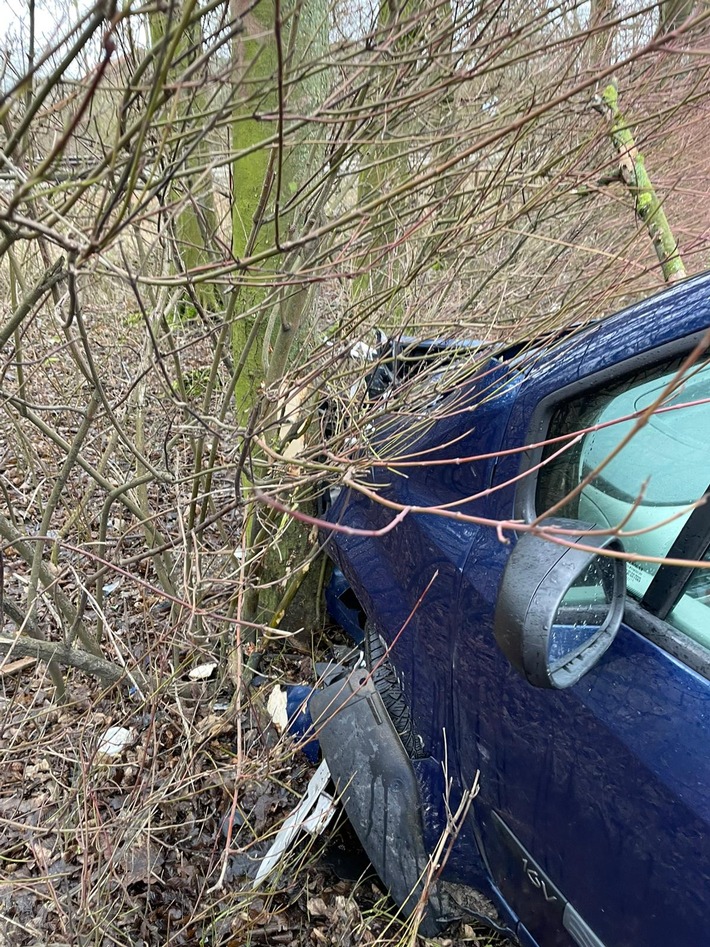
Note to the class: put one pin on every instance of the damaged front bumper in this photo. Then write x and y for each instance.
(374, 778)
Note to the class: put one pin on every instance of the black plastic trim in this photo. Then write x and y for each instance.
(673, 642)
(536, 578)
(691, 543)
(374, 775)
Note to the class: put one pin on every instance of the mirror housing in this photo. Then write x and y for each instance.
(559, 607)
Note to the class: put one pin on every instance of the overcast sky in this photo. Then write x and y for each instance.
(52, 17)
(14, 18)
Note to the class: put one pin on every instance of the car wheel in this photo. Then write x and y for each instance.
(388, 687)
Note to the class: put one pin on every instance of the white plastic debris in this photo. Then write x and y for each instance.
(362, 352)
(114, 741)
(312, 814)
(319, 818)
(276, 707)
(201, 672)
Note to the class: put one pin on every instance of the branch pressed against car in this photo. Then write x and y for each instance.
(574, 689)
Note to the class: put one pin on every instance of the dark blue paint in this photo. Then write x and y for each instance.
(606, 784)
(338, 600)
(300, 724)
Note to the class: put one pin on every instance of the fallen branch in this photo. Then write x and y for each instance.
(633, 173)
(53, 651)
(16, 667)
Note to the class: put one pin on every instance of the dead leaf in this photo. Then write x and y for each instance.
(317, 907)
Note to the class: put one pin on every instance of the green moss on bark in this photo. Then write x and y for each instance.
(647, 205)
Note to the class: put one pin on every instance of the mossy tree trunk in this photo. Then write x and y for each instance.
(632, 170)
(419, 40)
(273, 306)
(673, 13)
(601, 36)
(190, 200)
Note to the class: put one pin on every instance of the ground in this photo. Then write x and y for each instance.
(130, 849)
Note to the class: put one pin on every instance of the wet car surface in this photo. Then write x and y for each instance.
(561, 667)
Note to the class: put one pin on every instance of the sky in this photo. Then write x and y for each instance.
(53, 21)
(14, 18)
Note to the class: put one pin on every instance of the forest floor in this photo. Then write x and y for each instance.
(132, 848)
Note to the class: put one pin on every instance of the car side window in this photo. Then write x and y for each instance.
(691, 613)
(648, 479)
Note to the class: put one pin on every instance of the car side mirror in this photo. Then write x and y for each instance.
(559, 607)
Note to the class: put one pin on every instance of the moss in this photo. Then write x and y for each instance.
(610, 97)
(647, 205)
(258, 64)
(260, 308)
(195, 223)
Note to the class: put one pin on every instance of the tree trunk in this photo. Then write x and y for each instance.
(632, 168)
(190, 205)
(274, 306)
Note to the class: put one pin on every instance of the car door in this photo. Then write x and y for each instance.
(594, 809)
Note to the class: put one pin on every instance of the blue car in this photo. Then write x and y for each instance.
(534, 638)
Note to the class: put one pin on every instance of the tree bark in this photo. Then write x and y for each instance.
(633, 173)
